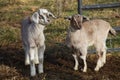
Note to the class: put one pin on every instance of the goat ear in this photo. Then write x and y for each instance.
(50, 14)
(35, 17)
(85, 18)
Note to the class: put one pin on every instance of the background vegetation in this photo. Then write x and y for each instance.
(13, 11)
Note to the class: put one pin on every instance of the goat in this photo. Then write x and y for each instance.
(33, 39)
(83, 33)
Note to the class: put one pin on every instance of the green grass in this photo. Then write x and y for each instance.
(87, 2)
(12, 14)
(9, 35)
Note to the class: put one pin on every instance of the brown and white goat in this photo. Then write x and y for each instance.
(83, 33)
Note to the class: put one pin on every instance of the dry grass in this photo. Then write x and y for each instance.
(12, 14)
(56, 62)
(58, 65)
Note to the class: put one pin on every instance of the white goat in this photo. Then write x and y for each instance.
(33, 39)
(83, 33)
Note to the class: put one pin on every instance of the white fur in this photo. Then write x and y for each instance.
(91, 32)
(34, 40)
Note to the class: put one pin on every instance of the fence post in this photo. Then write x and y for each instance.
(80, 7)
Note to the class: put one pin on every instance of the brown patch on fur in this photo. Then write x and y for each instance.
(76, 21)
(90, 32)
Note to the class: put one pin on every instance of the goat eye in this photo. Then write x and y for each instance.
(41, 17)
(48, 16)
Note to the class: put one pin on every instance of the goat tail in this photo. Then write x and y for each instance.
(112, 31)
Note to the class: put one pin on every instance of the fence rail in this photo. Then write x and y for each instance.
(117, 29)
(101, 6)
(108, 50)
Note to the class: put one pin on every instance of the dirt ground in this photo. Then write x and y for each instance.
(57, 66)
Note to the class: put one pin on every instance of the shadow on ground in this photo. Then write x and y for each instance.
(58, 65)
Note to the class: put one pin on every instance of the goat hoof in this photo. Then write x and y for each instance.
(102, 65)
(83, 70)
(40, 71)
(75, 68)
(36, 62)
(96, 69)
(27, 63)
(33, 74)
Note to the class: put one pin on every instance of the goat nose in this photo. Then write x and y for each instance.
(48, 20)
